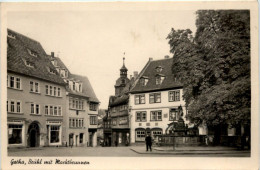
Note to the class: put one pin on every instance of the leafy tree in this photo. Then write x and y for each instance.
(214, 66)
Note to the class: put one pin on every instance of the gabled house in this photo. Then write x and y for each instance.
(36, 95)
(82, 107)
(154, 100)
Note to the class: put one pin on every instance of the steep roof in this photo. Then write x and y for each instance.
(86, 87)
(150, 72)
(18, 53)
(87, 90)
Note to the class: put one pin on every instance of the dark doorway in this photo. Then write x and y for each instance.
(34, 135)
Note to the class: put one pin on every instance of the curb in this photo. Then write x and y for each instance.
(188, 153)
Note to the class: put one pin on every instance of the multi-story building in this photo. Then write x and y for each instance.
(118, 119)
(81, 107)
(154, 101)
(36, 95)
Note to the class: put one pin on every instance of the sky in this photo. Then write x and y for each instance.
(92, 43)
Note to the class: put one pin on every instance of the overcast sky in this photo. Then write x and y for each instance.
(92, 43)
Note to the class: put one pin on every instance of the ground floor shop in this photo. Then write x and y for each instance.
(34, 133)
(140, 133)
(77, 138)
(120, 137)
(92, 137)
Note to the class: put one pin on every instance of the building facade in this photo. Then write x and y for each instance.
(117, 124)
(155, 100)
(36, 95)
(81, 107)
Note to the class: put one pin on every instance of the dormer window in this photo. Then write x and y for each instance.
(54, 62)
(32, 53)
(159, 69)
(74, 86)
(143, 81)
(52, 71)
(11, 35)
(80, 87)
(29, 64)
(159, 79)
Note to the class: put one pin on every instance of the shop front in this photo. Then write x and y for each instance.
(120, 137)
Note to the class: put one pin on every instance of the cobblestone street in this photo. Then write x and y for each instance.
(133, 151)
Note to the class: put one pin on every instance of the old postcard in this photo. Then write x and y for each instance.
(129, 85)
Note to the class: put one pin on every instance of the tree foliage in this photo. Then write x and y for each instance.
(214, 66)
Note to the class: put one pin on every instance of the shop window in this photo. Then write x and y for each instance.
(55, 134)
(140, 135)
(15, 134)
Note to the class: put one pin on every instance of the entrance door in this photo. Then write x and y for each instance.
(71, 140)
(34, 135)
(33, 139)
(77, 140)
(90, 139)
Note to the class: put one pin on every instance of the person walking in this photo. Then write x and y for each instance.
(148, 141)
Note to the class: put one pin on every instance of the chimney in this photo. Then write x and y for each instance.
(135, 74)
(52, 54)
(150, 59)
(166, 57)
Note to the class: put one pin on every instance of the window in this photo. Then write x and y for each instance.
(156, 133)
(12, 106)
(18, 83)
(156, 115)
(174, 95)
(59, 111)
(58, 91)
(15, 134)
(51, 110)
(140, 116)
(47, 89)
(46, 110)
(173, 114)
(70, 103)
(51, 90)
(29, 64)
(54, 91)
(74, 86)
(76, 122)
(52, 71)
(7, 105)
(93, 106)
(34, 87)
(55, 111)
(55, 134)
(140, 99)
(155, 98)
(11, 35)
(32, 53)
(93, 120)
(73, 106)
(18, 107)
(140, 135)
(35, 109)
(80, 88)
(12, 81)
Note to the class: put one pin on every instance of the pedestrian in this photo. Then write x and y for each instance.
(148, 141)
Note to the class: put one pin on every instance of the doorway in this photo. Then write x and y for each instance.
(34, 135)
